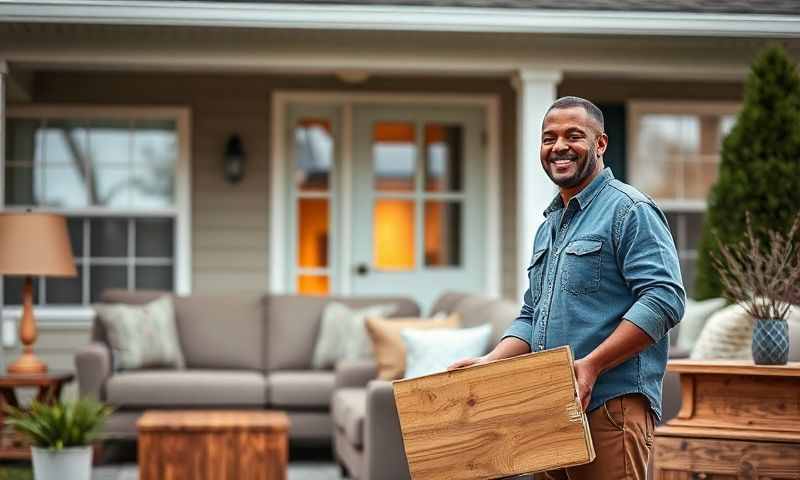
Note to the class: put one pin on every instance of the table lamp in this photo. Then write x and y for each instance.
(33, 244)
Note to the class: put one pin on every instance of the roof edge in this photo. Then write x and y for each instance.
(398, 17)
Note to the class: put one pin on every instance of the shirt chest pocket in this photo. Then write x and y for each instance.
(535, 274)
(581, 273)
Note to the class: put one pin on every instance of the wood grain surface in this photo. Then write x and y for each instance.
(713, 458)
(508, 417)
(738, 420)
(218, 445)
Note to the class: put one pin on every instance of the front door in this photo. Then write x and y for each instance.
(419, 209)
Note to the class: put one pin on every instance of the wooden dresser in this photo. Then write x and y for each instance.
(737, 421)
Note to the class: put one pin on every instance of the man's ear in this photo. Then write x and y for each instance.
(602, 144)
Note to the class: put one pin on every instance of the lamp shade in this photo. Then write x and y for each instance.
(35, 244)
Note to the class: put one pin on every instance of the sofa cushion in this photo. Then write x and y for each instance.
(160, 388)
(387, 343)
(446, 302)
(201, 320)
(343, 335)
(349, 408)
(142, 336)
(307, 388)
(221, 331)
(293, 322)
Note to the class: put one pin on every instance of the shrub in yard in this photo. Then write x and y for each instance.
(759, 169)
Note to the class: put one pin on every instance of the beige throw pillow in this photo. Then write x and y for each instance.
(387, 342)
(142, 336)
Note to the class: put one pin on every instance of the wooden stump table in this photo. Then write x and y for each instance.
(213, 444)
(737, 421)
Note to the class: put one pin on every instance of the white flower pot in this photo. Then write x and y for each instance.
(74, 463)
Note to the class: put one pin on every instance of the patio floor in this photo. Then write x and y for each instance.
(120, 464)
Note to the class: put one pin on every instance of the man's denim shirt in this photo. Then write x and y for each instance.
(609, 255)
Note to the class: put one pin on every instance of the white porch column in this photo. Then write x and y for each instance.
(536, 91)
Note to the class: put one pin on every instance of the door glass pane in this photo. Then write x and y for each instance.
(23, 139)
(312, 248)
(62, 185)
(154, 237)
(109, 237)
(694, 230)
(313, 284)
(394, 154)
(102, 277)
(67, 291)
(443, 158)
(154, 277)
(393, 234)
(314, 147)
(442, 234)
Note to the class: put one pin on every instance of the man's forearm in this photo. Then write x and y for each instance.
(508, 347)
(625, 342)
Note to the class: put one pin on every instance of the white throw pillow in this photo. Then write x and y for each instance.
(694, 319)
(431, 351)
(728, 334)
(343, 334)
(142, 336)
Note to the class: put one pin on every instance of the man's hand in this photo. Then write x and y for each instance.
(468, 362)
(586, 376)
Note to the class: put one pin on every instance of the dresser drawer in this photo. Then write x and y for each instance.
(678, 458)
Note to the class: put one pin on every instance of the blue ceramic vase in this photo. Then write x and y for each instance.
(771, 342)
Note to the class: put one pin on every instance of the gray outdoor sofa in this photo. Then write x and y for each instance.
(242, 351)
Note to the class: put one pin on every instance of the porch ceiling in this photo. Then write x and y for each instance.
(39, 46)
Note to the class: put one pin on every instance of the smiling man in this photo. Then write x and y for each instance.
(604, 279)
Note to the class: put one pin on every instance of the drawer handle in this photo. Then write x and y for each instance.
(699, 476)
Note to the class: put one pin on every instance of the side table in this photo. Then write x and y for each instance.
(48, 387)
(737, 420)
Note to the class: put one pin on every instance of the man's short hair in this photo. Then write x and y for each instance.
(591, 108)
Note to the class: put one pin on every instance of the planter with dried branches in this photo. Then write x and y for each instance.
(762, 273)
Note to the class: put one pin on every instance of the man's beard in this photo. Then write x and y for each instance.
(584, 168)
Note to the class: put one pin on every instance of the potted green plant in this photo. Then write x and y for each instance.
(60, 435)
(762, 273)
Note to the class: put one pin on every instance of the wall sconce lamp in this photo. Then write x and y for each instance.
(234, 160)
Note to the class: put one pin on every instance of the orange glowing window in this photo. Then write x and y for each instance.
(312, 248)
(312, 284)
(393, 234)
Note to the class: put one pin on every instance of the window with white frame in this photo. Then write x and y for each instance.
(674, 157)
(120, 176)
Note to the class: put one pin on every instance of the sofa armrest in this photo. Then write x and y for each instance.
(384, 454)
(355, 373)
(93, 366)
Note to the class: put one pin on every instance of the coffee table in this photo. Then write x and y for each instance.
(213, 444)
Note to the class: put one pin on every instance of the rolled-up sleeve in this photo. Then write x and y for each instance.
(522, 326)
(650, 266)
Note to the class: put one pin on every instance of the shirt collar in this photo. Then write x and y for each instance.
(585, 196)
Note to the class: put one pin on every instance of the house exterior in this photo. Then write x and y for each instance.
(389, 146)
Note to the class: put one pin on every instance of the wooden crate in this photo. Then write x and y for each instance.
(213, 445)
(508, 417)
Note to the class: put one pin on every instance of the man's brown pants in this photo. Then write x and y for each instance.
(622, 432)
